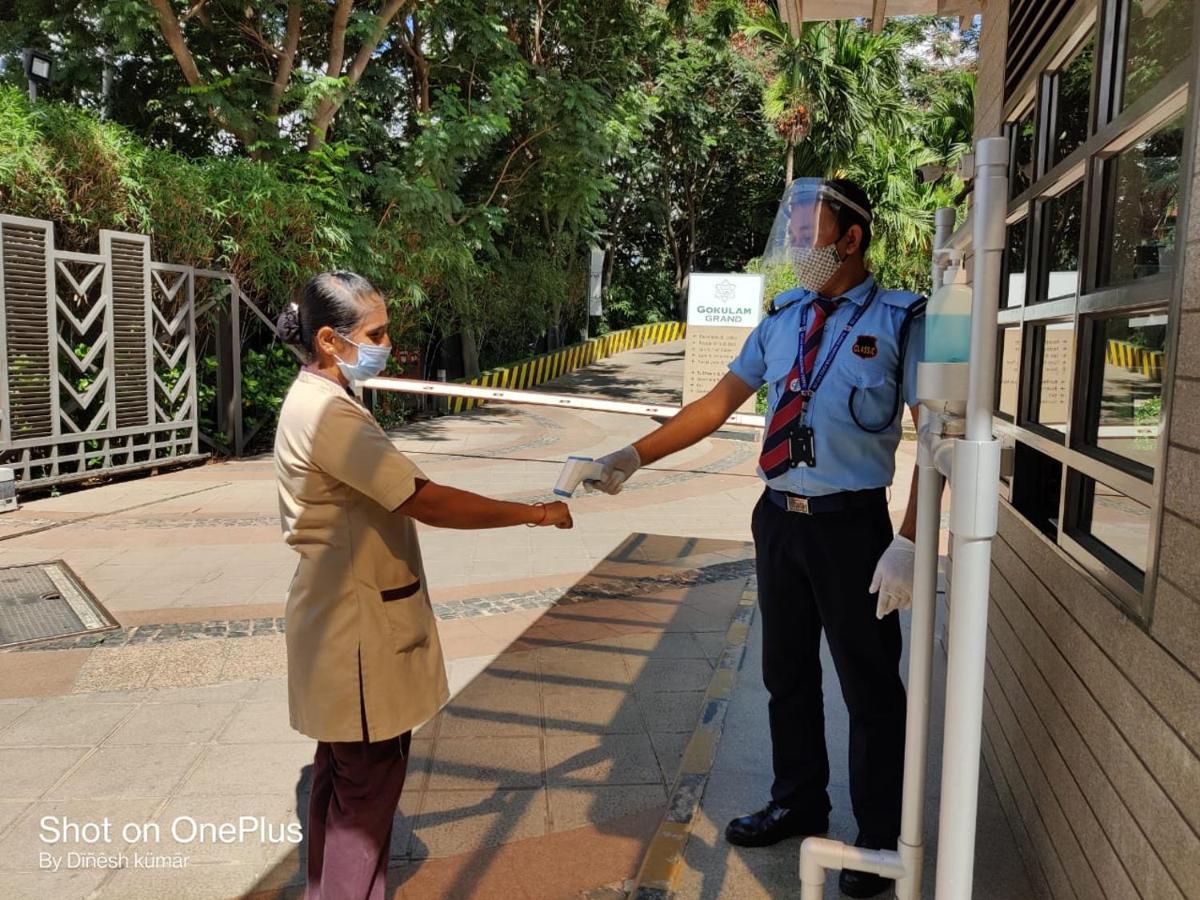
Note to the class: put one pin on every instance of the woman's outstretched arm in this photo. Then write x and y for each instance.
(446, 507)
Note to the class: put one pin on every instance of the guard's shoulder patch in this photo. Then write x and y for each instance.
(785, 299)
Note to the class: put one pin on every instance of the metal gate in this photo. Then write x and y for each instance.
(97, 356)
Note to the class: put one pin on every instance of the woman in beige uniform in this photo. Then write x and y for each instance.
(364, 662)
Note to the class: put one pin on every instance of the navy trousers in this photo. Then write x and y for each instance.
(814, 572)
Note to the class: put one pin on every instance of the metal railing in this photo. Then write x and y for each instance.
(97, 356)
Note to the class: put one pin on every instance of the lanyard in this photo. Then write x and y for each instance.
(808, 389)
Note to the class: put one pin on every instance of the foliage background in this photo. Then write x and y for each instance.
(484, 146)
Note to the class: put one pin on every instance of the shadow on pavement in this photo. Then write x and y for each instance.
(548, 773)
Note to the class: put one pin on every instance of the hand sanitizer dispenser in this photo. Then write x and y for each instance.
(948, 321)
(942, 375)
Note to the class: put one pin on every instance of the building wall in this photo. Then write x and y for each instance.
(1092, 719)
(1176, 622)
(989, 89)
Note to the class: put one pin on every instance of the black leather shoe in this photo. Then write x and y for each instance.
(771, 825)
(862, 884)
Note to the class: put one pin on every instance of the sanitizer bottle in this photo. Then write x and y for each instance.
(948, 321)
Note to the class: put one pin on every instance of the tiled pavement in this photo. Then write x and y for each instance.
(546, 775)
(571, 735)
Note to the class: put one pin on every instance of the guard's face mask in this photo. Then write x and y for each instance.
(372, 359)
(803, 243)
(815, 266)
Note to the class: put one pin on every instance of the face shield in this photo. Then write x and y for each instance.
(801, 249)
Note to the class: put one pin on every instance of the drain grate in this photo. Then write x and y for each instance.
(46, 601)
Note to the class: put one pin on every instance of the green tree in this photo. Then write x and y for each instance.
(827, 86)
(698, 193)
(851, 103)
(255, 64)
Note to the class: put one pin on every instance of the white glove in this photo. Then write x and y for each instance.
(618, 467)
(894, 576)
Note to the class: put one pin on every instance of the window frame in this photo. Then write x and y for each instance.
(1076, 177)
(1111, 131)
(1030, 389)
(1087, 378)
(1028, 107)
(1071, 47)
(1022, 217)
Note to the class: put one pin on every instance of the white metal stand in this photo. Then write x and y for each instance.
(946, 391)
(973, 511)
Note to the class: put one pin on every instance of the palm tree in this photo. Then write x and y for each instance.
(950, 123)
(902, 210)
(830, 85)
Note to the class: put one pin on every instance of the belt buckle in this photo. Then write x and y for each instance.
(798, 505)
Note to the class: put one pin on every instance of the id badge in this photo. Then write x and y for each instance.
(802, 448)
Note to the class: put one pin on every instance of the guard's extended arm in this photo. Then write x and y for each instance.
(694, 422)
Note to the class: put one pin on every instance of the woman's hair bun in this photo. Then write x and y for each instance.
(288, 326)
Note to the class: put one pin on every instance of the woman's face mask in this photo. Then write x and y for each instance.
(372, 360)
(815, 266)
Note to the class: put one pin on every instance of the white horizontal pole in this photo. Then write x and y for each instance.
(533, 398)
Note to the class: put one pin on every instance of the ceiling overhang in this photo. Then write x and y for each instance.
(793, 12)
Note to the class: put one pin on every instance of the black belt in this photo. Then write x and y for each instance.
(827, 503)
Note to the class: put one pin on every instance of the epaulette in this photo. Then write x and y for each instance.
(785, 299)
(906, 300)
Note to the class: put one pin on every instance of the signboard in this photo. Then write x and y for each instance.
(596, 282)
(1056, 375)
(722, 311)
(1010, 371)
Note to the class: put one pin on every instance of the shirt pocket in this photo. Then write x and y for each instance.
(407, 615)
(778, 366)
(873, 400)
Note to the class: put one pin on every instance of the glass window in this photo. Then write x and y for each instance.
(1126, 406)
(1117, 521)
(1062, 224)
(1021, 135)
(1073, 103)
(1010, 372)
(1016, 263)
(1144, 205)
(1037, 481)
(1057, 346)
(1159, 38)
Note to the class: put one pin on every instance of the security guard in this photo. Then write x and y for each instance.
(838, 353)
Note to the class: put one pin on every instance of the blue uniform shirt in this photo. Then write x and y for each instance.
(861, 384)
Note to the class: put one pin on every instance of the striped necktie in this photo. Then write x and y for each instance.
(775, 458)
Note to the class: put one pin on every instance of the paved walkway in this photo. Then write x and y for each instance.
(578, 661)
(741, 775)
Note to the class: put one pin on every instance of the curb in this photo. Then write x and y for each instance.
(663, 864)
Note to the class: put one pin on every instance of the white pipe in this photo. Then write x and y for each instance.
(943, 458)
(943, 228)
(991, 199)
(973, 512)
(818, 854)
(920, 665)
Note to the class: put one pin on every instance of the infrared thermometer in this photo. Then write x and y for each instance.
(577, 469)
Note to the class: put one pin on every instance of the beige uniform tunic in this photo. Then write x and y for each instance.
(358, 616)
